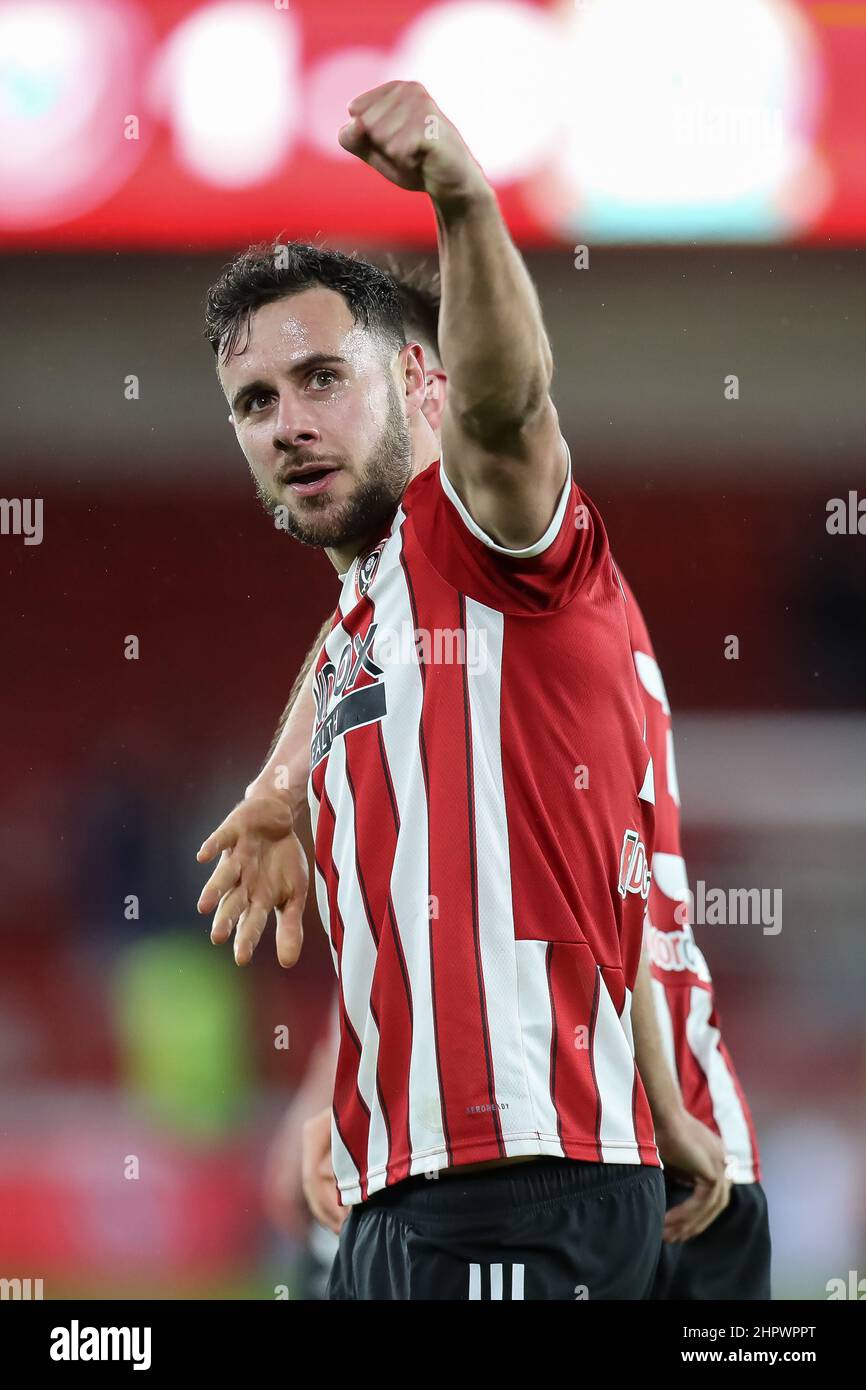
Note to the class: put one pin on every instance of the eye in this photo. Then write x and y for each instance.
(330, 378)
(259, 396)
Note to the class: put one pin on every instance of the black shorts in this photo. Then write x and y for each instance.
(729, 1260)
(555, 1228)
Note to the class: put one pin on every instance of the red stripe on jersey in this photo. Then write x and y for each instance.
(457, 985)
(375, 845)
(574, 1010)
(352, 1120)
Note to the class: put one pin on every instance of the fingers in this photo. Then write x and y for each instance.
(227, 914)
(320, 1191)
(689, 1218)
(290, 933)
(358, 143)
(290, 913)
(223, 838)
(366, 100)
(384, 118)
(249, 933)
(353, 137)
(224, 877)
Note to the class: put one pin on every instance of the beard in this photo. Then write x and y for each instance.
(383, 478)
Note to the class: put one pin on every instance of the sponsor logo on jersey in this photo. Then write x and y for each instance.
(675, 950)
(341, 704)
(634, 872)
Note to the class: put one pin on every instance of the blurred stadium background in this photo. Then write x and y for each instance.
(711, 159)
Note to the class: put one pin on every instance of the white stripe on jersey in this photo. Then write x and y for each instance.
(650, 675)
(648, 789)
(704, 1040)
(613, 1068)
(671, 878)
(410, 872)
(495, 913)
(536, 1023)
(625, 1020)
(673, 782)
(358, 954)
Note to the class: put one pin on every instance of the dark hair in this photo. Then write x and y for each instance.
(420, 294)
(272, 270)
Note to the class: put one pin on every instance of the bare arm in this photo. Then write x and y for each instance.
(501, 446)
(662, 1087)
(309, 660)
(689, 1148)
(262, 864)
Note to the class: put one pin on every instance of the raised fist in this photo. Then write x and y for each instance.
(400, 132)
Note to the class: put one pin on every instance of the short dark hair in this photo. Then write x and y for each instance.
(421, 297)
(272, 270)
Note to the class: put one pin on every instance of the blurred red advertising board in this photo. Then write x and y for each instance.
(203, 124)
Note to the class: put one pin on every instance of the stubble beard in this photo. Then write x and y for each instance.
(384, 476)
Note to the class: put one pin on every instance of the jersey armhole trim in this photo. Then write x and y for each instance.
(527, 552)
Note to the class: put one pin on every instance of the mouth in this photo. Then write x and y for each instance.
(312, 478)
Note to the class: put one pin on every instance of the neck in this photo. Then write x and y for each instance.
(426, 449)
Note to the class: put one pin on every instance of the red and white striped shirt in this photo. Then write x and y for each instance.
(481, 796)
(682, 987)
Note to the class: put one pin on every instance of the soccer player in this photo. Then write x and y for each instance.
(732, 1260)
(486, 938)
(729, 1258)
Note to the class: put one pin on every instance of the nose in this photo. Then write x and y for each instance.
(295, 424)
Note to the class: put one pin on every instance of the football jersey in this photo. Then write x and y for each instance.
(682, 987)
(482, 806)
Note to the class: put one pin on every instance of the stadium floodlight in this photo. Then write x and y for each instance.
(496, 68)
(230, 81)
(334, 81)
(69, 80)
(690, 119)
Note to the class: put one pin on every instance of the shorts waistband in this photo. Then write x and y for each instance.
(524, 1184)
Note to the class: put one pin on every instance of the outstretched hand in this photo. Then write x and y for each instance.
(262, 868)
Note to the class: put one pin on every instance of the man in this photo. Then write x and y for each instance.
(732, 1260)
(730, 1257)
(486, 933)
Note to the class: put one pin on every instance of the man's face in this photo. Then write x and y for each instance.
(320, 419)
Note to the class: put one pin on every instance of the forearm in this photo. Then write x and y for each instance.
(660, 1083)
(491, 335)
(287, 768)
(309, 660)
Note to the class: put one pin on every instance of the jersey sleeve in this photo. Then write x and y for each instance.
(571, 555)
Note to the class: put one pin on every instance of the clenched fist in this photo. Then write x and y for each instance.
(400, 132)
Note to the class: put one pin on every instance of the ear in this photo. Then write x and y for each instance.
(434, 402)
(414, 379)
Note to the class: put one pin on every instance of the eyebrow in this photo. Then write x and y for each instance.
(313, 359)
